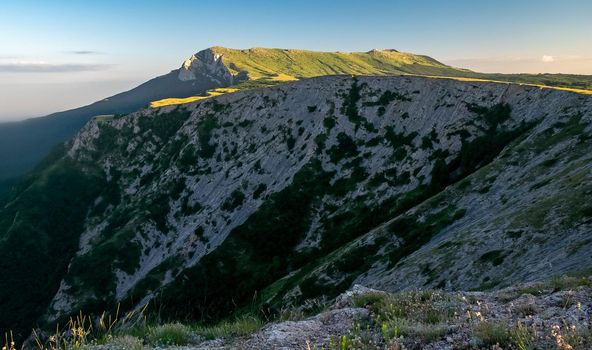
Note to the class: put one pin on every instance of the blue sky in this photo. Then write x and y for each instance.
(62, 54)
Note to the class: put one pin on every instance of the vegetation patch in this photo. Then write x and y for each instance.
(235, 200)
(345, 148)
(164, 125)
(386, 98)
(205, 131)
(495, 257)
(254, 255)
(415, 233)
(350, 109)
(170, 334)
(238, 327)
(329, 123)
(259, 190)
(427, 142)
(43, 223)
(350, 103)
(479, 151)
(397, 140)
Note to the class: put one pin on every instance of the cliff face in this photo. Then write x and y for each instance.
(24, 144)
(206, 65)
(299, 191)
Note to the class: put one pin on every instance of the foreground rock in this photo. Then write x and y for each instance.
(551, 315)
(554, 315)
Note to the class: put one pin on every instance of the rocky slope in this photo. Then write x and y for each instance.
(24, 144)
(555, 314)
(276, 197)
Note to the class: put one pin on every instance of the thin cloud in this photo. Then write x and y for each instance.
(83, 52)
(487, 60)
(569, 64)
(547, 59)
(41, 67)
(514, 59)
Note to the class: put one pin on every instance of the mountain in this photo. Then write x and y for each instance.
(24, 144)
(278, 196)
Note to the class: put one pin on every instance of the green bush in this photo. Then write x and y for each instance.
(239, 327)
(345, 148)
(235, 200)
(495, 257)
(329, 123)
(492, 333)
(169, 334)
(205, 131)
(164, 125)
(350, 103)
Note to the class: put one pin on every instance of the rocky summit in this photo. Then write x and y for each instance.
(277, 198)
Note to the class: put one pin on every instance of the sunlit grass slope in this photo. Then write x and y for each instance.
(265, 67)
(177, 101)
(542, 86)
(278, 64)
(260, 63)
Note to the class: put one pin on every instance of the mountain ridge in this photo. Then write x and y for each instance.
(328, 170)
(23, 144)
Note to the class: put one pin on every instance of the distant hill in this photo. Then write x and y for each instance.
(23, 144)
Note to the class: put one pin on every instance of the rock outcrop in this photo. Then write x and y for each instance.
(206, 64)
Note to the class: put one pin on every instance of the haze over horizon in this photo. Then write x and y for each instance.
(61, 55)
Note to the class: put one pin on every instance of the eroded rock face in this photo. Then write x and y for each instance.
(206, 64)
(261, 183)
(551, 318)
(541, 316)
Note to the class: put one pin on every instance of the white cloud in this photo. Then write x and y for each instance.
(547, 59)
(43, 67)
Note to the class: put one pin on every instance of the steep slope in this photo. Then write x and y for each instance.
(297, 191)
(23, 144)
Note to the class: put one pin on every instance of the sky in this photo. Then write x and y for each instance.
(60, 54)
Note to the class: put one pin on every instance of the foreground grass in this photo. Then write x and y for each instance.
(496, 320)
(134, 332)
(408, 319)
(228, 329)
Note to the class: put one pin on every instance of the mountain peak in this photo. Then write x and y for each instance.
(205, 63)
(381, 50)
(273, 64)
